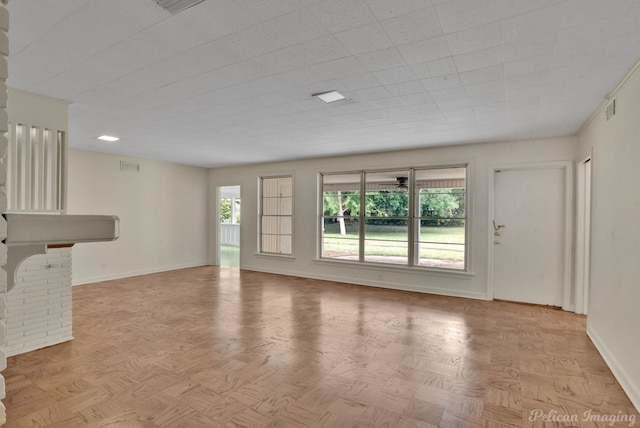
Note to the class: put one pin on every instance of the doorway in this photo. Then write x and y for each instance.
(229, 214)
(530, 247)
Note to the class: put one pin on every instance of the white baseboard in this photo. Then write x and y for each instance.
(120, 275)
(625, 381)
(373, 283)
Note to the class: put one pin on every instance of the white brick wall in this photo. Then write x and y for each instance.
(4, 50)
(39, 306)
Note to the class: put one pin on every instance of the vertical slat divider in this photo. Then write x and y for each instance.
(11, 166)
(53, 185)
(26, 160)
(62, 171)
(41, 170)
(19, 182)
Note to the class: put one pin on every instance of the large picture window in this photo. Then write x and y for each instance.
(276, 211)
(409, 217)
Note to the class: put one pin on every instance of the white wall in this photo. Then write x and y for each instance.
(614, 303)
(303, 263)
(162, 209)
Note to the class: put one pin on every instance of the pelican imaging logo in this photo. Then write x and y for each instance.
(610, 419)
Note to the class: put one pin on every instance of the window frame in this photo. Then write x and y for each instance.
(261, 214)
(413, 217)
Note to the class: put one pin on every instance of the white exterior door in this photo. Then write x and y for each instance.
(529, 243)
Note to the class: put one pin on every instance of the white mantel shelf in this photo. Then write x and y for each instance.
(30, 234)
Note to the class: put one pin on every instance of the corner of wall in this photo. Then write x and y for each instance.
(4, 52)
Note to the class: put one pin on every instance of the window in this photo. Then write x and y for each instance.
(408, 217)
(276, 209)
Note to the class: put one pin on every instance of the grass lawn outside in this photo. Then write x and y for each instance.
(438, 246)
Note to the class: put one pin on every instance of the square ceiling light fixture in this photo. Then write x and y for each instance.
(330, 97)
(108, 138)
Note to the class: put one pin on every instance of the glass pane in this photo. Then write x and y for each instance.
(387, 194)
(450, 256)
(225, 211)
(441, 203)
(341, 203)
(276, 225)
(440, 192)
(340, 238)
(277, 187)
(386, 241)
(276, 244)
(276, 205)
(387, 203)
(442, 234)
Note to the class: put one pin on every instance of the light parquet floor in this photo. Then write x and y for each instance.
(217, 347)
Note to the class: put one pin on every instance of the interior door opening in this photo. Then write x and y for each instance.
(229, 226)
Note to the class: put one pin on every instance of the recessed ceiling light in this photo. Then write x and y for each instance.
(330, 97)
(108, 138)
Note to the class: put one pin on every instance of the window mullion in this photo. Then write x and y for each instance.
(363, 200)
(411, 224)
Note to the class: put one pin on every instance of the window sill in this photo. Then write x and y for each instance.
(450, 273)
(285, 257)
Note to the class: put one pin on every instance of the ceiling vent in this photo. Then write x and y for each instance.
(175, 6)
(611, 109)
(129, 166)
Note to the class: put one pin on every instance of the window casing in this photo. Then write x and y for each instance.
(276, 215)
(409, 217)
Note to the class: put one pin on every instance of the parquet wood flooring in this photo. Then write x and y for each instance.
(217, 347)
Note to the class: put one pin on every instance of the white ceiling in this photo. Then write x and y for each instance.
(229, 82)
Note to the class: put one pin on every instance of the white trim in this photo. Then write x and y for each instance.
(583, 238)
(443, 272)
(371, 283)
(623, 378)
(567, 166)
(93, 279)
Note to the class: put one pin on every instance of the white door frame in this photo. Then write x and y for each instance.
(583, 237)
(567, 167)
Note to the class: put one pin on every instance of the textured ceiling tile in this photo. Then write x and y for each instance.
(475, 39)
(394, 75)
(405, 88)
(539, 23)
(384, 9)
(586, 11)
(413, 26)
(359, 81)
(482, 75)
(510, 8)
(364, 39)
(438, 67)
(479, 59)
(271, 8)
(528, 65)
(342, 15)
(458, 15)
(424, 51)
(381, 59)
(371, 94)
(442, 82)
(298, 27)
(528, 48)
